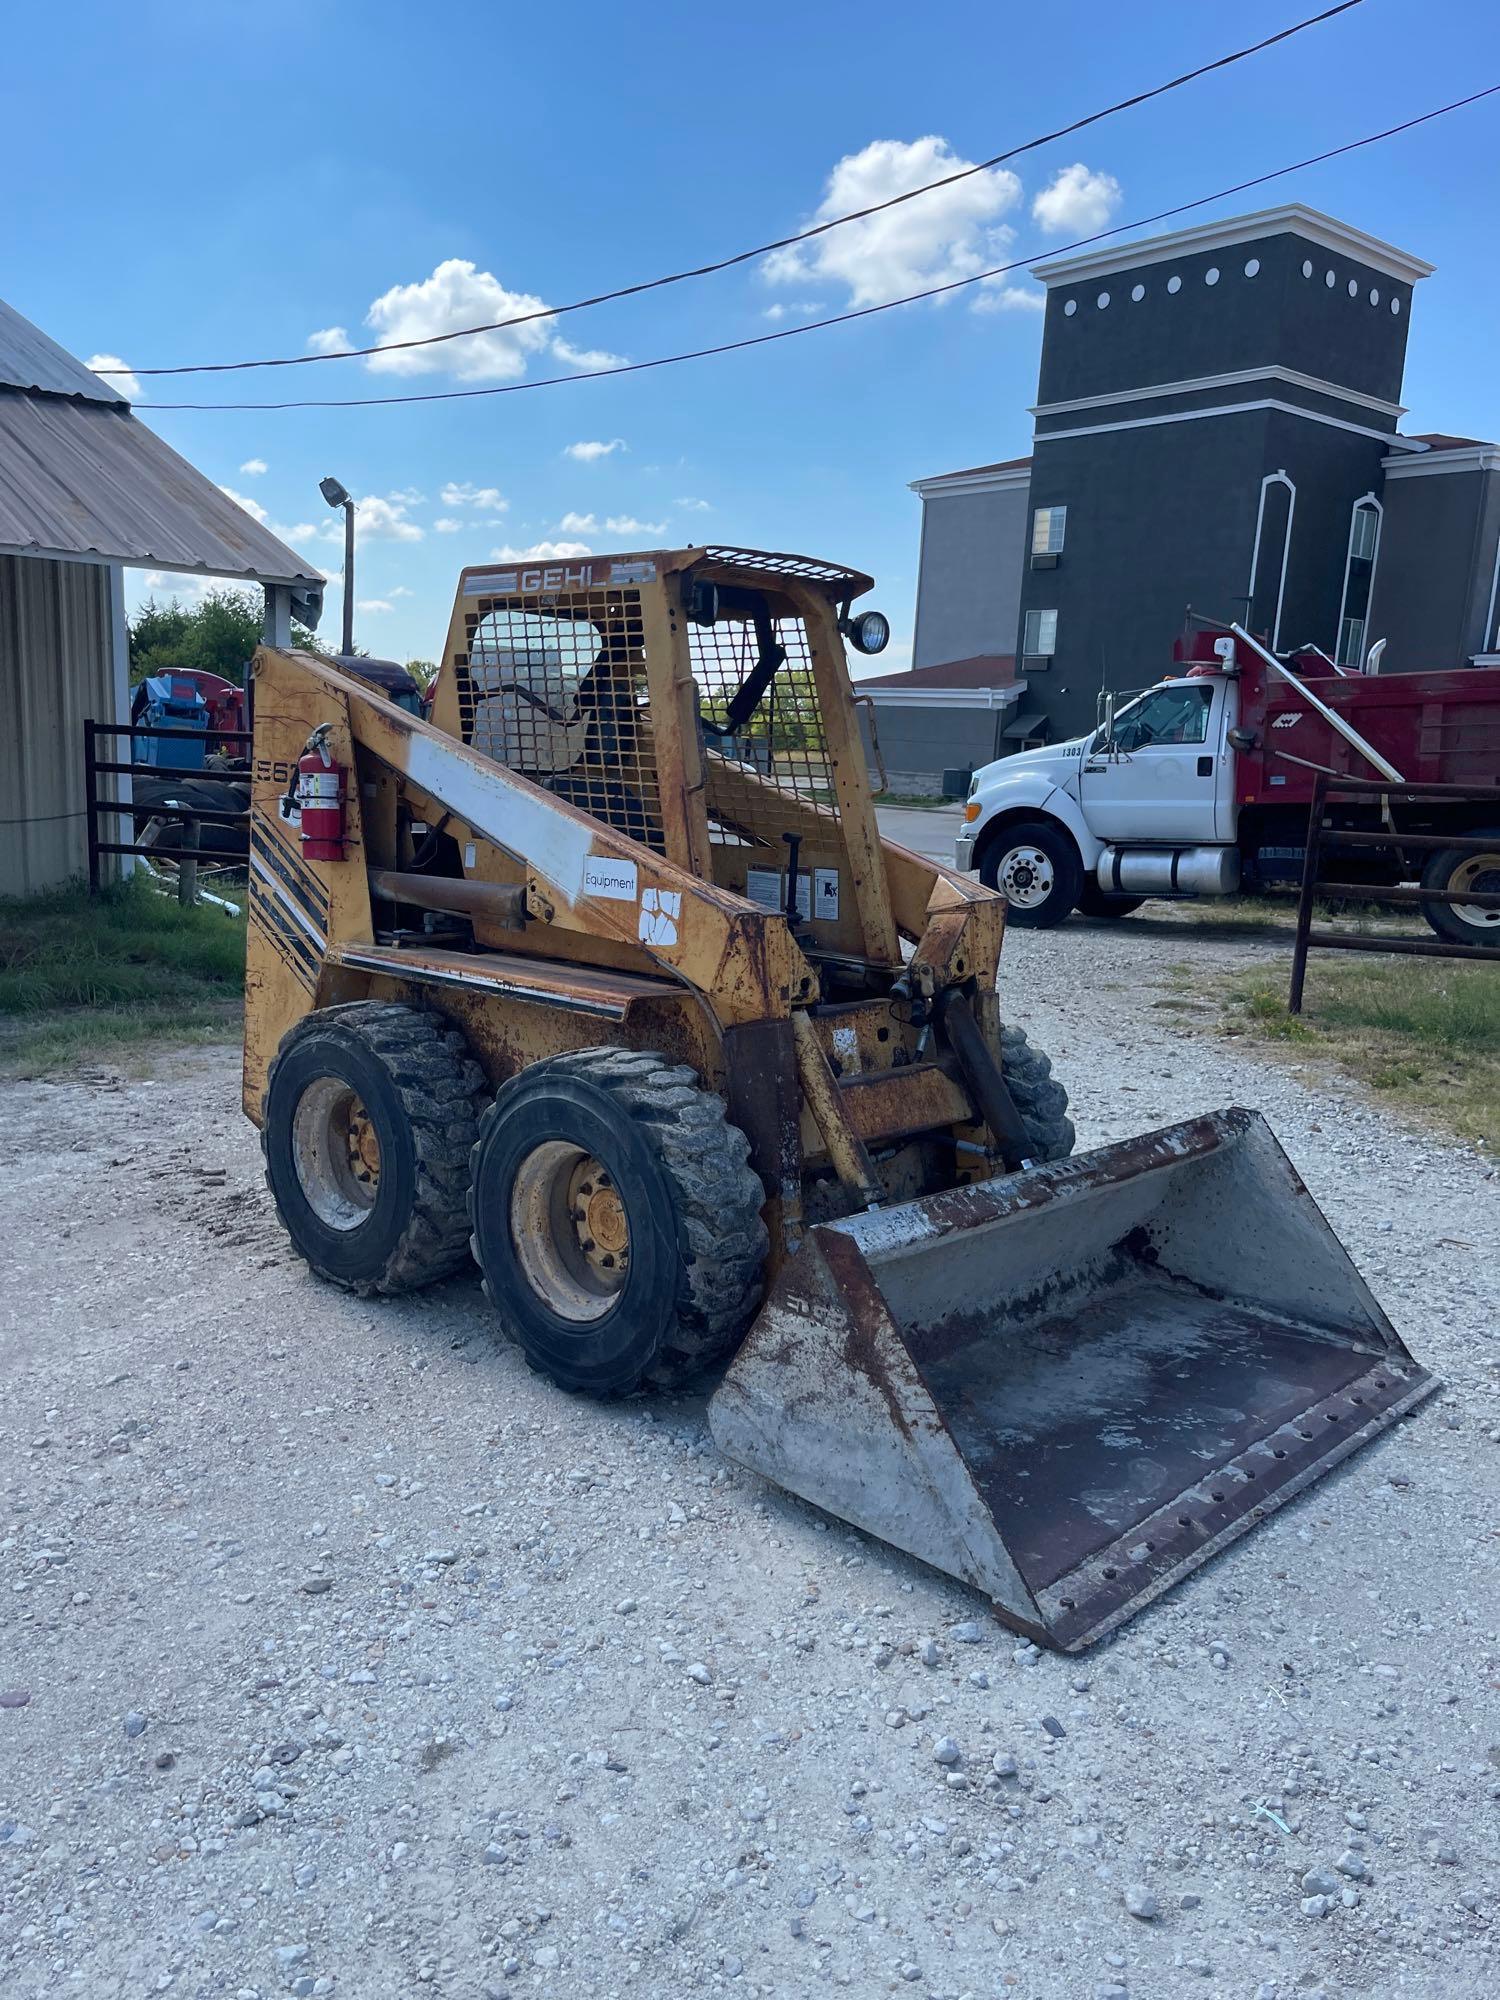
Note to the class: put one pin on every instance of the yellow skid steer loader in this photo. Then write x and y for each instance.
(604, 976)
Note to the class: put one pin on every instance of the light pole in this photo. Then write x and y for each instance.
(337, 495)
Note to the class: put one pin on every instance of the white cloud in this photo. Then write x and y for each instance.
(372, 604)
(446, 525)
(796, 309)
(1076, 202)
(118, 377)
(382, 520)
(947, 235)
(626, 524)
(694, 506)
(455, 296)
(456, 494)
(400, 590)
(589, 358)
(579, 524)
(377, 518)
(588, 449)
(993, 296)
(254, 467)
(541, 552)
(252, 507)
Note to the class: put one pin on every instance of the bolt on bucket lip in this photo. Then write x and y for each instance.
(1072, 1386)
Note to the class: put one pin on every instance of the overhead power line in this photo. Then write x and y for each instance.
(761, 249)
(858, 313)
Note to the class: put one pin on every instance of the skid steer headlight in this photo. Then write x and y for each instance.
(870, 632)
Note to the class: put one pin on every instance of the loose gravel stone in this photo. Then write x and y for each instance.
(1141, 1902)
(946, 1751)
(459, 1711)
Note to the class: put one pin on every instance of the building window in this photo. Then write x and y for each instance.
(1359, 581)
(1049, 527)
(1040, 639)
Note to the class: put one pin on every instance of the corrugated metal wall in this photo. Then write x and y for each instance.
(56, 669)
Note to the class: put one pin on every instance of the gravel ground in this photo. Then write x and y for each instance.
(344, 1656)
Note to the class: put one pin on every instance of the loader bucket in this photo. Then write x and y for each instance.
(1074, 1385)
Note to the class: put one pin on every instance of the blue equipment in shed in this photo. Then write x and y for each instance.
(170, 701)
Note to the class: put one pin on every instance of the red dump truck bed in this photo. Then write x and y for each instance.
(1436, 728)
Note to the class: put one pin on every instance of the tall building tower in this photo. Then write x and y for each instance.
(1212, 415)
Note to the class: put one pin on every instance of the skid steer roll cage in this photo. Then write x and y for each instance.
(692, 819)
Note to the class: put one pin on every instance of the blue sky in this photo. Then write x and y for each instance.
(202, 183)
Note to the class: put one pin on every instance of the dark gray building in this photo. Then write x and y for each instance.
(1216, 428)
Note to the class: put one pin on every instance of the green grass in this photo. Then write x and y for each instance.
(86, 978)
(1423, 1032)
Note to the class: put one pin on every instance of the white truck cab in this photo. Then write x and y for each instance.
(1143, 806)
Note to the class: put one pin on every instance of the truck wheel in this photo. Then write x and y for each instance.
(1035, 866)
(1093, 902)
(616, 1220)
(369, 1117)
(1037, 1095)
(1465, 923)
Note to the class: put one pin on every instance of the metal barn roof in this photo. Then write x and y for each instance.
(29, 359)
(81, 476)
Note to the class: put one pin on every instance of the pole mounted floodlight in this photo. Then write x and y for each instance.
(337, 495)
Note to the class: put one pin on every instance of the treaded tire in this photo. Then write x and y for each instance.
(1440, 873)
(1037, 1094)
(1056, 843)
(697, 1244)
(423, 1092)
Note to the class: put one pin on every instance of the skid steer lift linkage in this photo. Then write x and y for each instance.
(604, 977)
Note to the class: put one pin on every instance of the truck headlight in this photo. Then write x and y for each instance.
(973, 809)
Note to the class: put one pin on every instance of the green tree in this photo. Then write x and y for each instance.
(423, 672)
(217, 636)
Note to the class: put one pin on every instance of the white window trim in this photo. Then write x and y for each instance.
(1365, 500)
(1491, 636)
(1278, 478)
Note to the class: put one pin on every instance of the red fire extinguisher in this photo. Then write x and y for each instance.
(319, 796)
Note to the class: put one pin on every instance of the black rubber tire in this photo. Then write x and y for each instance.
(1439, 872)
(1037, 1094)
(1067, 871)
(423, 1092)
(1094, 902)
(697, 1241)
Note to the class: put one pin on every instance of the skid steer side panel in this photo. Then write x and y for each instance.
(1072, 1386)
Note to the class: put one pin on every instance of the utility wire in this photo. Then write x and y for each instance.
(844, 318)
(763, 249)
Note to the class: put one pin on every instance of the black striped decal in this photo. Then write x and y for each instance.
(297, 879)
(293, 947)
